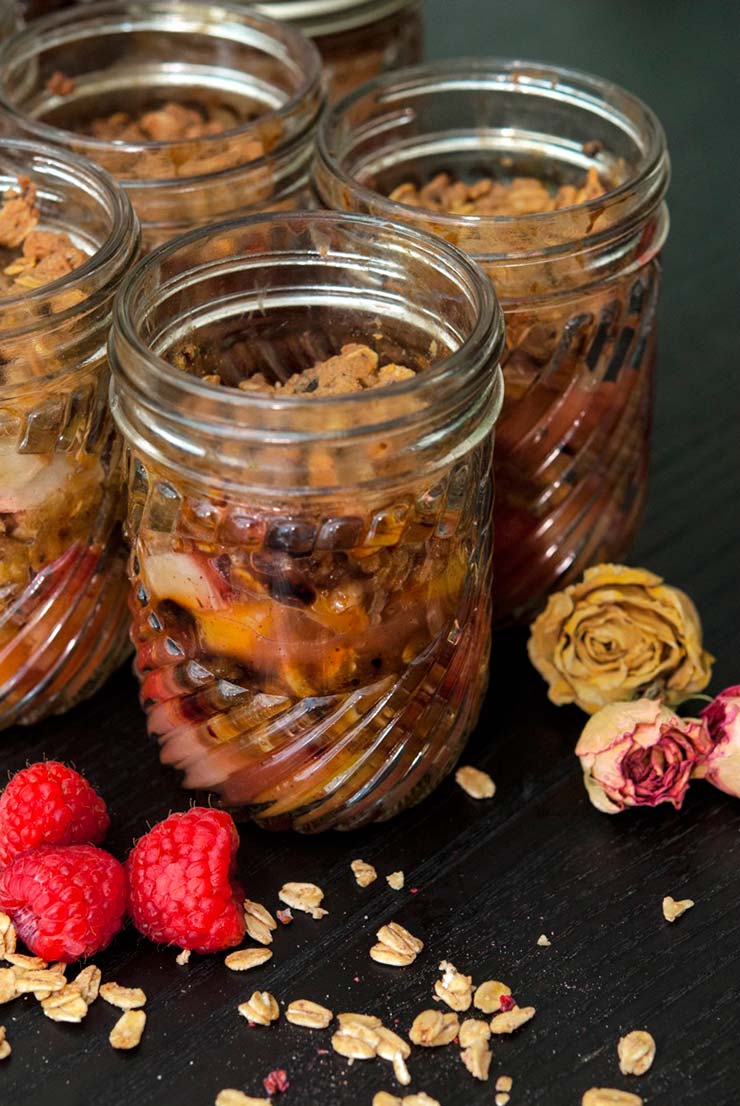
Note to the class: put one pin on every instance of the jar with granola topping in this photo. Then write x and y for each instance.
(67, 234)
(200, 111)
(555, 182)
(357, 39)
(308, 403)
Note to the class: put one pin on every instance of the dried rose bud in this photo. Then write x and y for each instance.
(616, 634)
(640, 754)
(722, 766)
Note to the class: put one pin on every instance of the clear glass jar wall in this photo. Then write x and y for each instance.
(310, 575)
(199, 110)
(578, 284)
(63, 617)
(357, 39)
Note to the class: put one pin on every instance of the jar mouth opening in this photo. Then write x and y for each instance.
(111, 257)
(573, 88)
(319, 17)
(482, 344)
(187, 16)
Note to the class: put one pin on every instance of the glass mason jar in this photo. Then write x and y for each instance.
(578, 285)
(357, 39)
(8, 18)
(310, 574)
(199, 110)
(63, 617)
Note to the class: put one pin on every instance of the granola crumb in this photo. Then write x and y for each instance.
(128, 1030)
(230, 1097)
(396, 881)
(260, 1009)
(244, 959)
(475, 783)
(610, 1096)
(673, 909)
(364, 873)
(125, 998)
(510, 1020)
(504, 1083)
(311, 1015)
(489, 994)
(303, 896)
(636, 1052)
(5, 1049)
(544, 941)
(285, 917)
(183, 957)
(60, 84)
(487, 196)
(454, 988)
(501, 1098)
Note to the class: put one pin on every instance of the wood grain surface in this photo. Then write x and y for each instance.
(537, 858)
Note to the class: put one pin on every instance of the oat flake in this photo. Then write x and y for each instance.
(636, 1052)
(475, 783)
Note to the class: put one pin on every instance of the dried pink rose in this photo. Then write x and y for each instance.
(640, 754)
(722, 718)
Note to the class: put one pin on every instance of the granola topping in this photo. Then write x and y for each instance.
(636, 1052)
(487, 196)
(45, 255)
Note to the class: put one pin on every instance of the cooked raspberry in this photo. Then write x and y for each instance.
(66, 901)
(49, 804)
(182, 889)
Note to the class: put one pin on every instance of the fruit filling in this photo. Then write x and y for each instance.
(53, 493)
(572, 440)
(316, 667)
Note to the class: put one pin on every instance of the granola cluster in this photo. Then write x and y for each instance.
(31, 258)
(517, 195)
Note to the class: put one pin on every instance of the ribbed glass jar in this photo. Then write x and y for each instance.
(310, 574)
(357, 39)
(63, 618)
(578, 285)
(80, 73)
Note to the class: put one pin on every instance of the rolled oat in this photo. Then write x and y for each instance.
(509, 1020)
(125, 998)
(475, 783)
(128, 1030)
(303, 896)
(260, 1009)
(244, 959)
(364, 873)
(309, 1014)
(636, 1052)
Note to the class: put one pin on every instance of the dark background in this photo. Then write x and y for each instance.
(491, 877)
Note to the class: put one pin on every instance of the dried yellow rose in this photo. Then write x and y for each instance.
(617, 634)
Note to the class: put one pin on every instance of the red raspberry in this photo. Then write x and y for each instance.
(182, 889)
(66, 901)
(49, 804)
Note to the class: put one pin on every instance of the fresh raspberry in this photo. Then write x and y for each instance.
(66, 901)
(49, 804)
(182, 889)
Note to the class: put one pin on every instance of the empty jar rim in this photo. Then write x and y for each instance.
(234, 22)
(322, 17)
(354, 142)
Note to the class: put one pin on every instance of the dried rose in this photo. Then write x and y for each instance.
(640, 754)
(616, 635)
(722, 718)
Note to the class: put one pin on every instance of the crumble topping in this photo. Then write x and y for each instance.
(488, 196)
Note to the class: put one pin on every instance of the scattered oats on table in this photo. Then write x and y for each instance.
(355, 1041)
(391, 1044)
(364, 873)
(474, 1031)
(544, 941)
(396, 946)
(88, 982)
(125, 998)
(302, 1011)
(673, 909)
(510, 1020)
(40, 981)
(636, 1052)
(488, 996)
(5, 1049)
(477, 1059)
(66, 1005)
(128, 1030)
(303, 896)
(244, 959)
(396, 881)
(432, 1029)
(7, 936)
(475, 783)
(454, 988)
(260, 1009)
(609, 1096)
(230, 1097)
(259, 922)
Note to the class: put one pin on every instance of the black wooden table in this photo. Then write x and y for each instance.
(491, 877)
